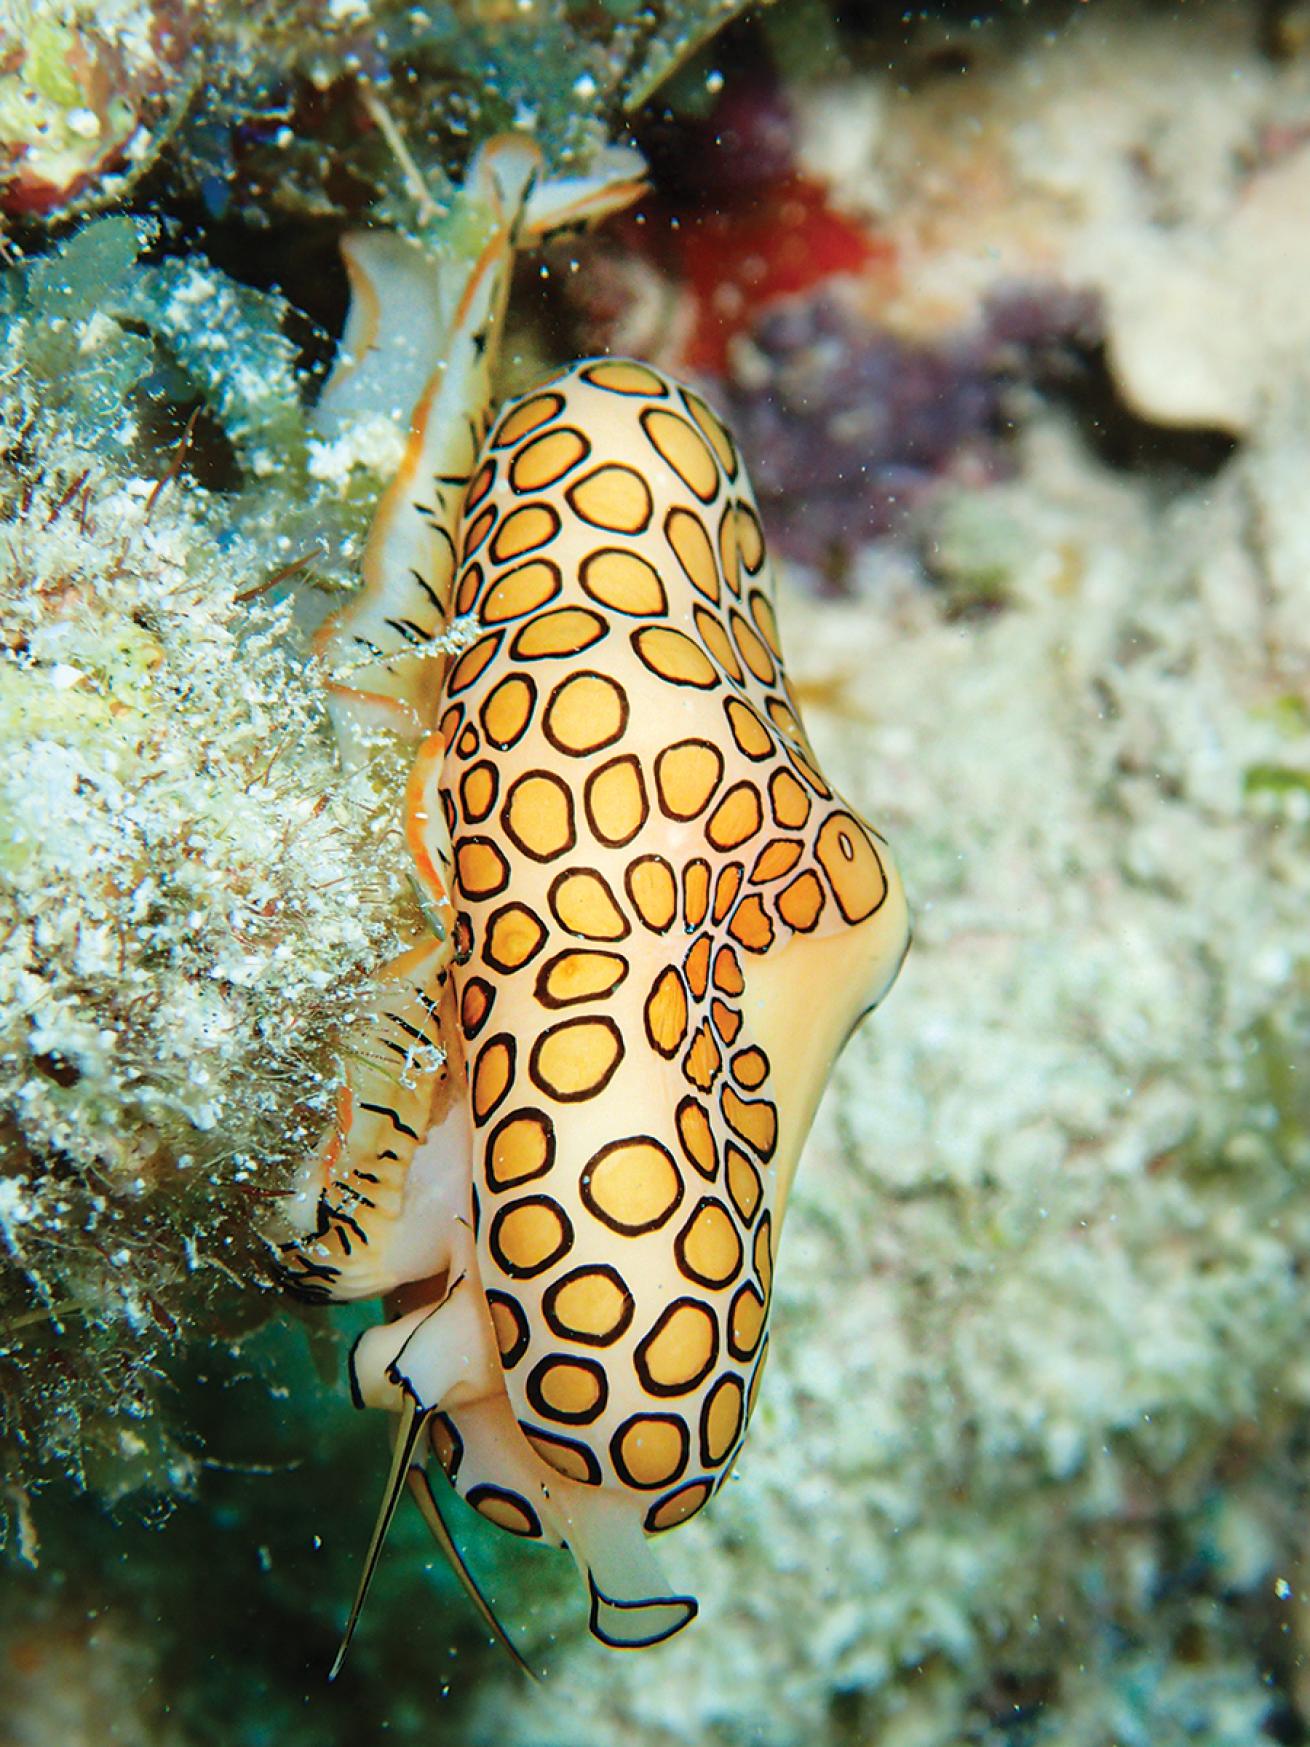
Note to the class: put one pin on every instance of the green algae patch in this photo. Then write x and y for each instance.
(1277, 780)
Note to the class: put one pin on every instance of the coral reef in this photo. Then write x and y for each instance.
(88, 92)
(91, 91)
(1030, 1465)
(1165, 179)
(192, 894)
(854, 236)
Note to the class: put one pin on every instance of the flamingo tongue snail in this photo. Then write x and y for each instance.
(565, 1143)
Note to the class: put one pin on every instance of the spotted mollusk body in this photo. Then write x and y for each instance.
(569, 1117)
(666, 924)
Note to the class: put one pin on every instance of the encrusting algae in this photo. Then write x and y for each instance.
(193, 892)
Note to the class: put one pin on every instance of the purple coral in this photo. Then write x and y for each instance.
(847, 427)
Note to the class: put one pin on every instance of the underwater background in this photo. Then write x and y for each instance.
(1006, 306)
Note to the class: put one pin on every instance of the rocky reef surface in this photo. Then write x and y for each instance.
(1030, 1463)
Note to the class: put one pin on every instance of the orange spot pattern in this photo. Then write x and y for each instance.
(635, 820)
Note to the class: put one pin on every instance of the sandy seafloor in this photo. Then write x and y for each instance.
(1030, 1463)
